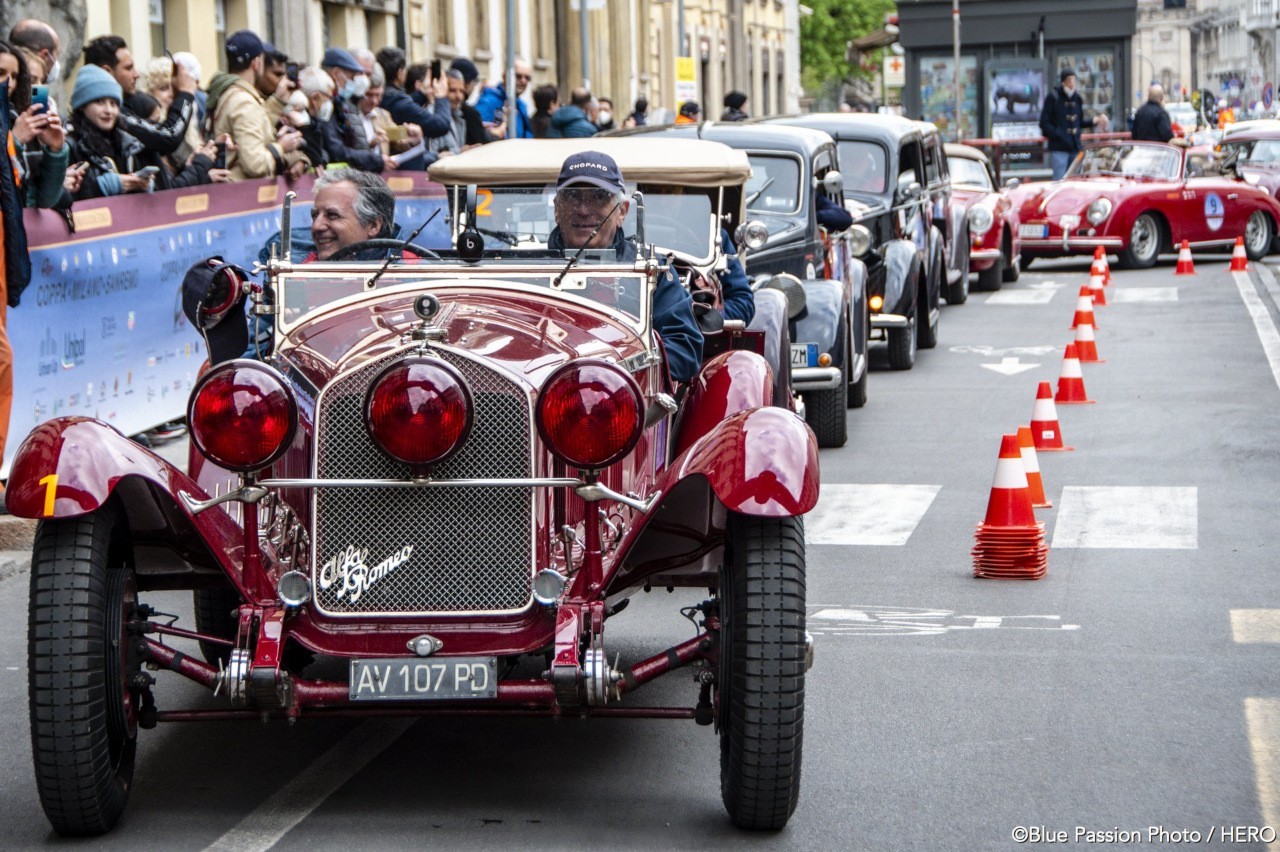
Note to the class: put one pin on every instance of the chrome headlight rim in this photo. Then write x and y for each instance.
(1098, 211)
(859, 240)
(980, 220)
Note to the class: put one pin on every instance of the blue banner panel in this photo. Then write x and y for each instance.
(100, 331)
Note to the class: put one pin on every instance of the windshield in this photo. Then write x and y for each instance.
(774, 185)
(524, 216)
(1133, 161)
(969, 172)
(863, 166)
(1255, 151)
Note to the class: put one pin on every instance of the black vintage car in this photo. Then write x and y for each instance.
(820, 273)
(891, 166)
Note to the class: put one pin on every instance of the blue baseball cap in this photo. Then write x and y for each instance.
(244, 46)
(336, 57)
(591, 167)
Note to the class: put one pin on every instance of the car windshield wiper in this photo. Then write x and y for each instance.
(373, 281)
(752, 200)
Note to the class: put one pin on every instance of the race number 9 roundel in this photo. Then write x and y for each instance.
(1213, 211)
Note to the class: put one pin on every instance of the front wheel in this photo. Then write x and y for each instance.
(760, 691)
(1257, 235)
(1144, 244)
(1012, 269)
(993, 276)
(81, 661)
(902, 344)
(958, 293)
(824, 411)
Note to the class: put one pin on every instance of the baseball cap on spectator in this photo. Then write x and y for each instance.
(336, 57)
(470, 73)
(243, 46)
(94, 83)
(690, 109)
(591, 167)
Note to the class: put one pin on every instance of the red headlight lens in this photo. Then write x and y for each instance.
(590, 414)
(242, 415)
(419, 411)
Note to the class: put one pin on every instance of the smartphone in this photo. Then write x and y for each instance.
(291, 71)
(148, 171)
(173, 63)
(435, 69)
(40, 97)
(220, 159)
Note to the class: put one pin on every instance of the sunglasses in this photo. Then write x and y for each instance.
(580, 195)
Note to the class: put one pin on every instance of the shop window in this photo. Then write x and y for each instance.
(938, 94)
(155, 21)
(1095, 78)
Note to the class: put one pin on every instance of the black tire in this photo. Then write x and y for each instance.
(857, 395)
(80, 657)
(1145, 238)
(1258, 233)
(993, 276)
(1011, 269)
(1024, 262)
(215, 611)
(760, 688)
(927, 330)
(824, 411)
(902, 344)
(958, 293)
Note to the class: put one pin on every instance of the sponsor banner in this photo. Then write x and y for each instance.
(100, 331)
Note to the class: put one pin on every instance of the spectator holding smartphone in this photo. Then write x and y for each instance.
(36, 143)
(494, 99)
(397, 99)
(111, 54)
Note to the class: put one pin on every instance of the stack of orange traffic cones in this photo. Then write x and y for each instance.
(1185, 266)
(1010, 543)
(1239, 259)
(1100, 266)
(1084, 308)
(1071, 380)
(1031, 464)
(1086, 345)
(1046, 434)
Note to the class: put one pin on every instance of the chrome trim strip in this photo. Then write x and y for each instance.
(984, 254)
(889, 321)
(546, 482)
(1113, 242)
(815, 378)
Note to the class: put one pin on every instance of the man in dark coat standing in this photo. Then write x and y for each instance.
(1062, 122)
(1151, 123)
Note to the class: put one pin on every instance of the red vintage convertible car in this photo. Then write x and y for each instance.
(1138, 199)
(447, 475)
(990, 219)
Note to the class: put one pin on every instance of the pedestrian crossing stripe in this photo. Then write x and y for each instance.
(877, 514)
(1154, 517)
(1021, 297)
(1255, 626)
(1262, 716)
(1142, 294)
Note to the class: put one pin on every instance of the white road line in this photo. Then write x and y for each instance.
(1262, 322)
(291, 804)
(868, 514)
(1143, 294)
(1263, 718)
(1255, 626)
(1021, 297)
(1127, 517)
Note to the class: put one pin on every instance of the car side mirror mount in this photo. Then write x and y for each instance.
(832, 183)
(910, 191)
(1012, 183)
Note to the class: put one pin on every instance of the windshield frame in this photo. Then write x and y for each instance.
(802, 200)
(987, 185)
(1170, 154)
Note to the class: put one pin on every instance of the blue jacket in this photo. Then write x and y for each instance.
(570, 122)
(494, 98)
(404, 110)
(735, 288)
(830, 215)
(1062, 120)
(672, 311)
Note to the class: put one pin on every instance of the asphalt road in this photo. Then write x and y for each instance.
(1134, 688)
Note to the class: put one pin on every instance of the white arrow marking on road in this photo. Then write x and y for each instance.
(1009, 367)
(1041, 296)
(1044, 285)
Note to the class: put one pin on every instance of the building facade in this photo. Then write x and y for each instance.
(1162, 50)
(1235, 46)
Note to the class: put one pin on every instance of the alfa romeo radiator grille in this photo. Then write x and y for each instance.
(424, 550)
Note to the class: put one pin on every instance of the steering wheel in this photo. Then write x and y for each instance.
(382, 243)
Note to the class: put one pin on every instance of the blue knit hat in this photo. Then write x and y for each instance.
(94, 83)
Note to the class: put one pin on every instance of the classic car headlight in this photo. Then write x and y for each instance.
(752, 235)
(590, 414)
(859, 240)
(789, 286)
(242, 415)
(980, 220)
(1098, 211)
(418, 411)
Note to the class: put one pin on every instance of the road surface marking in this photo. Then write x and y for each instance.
(868, 514)
(1263, 718)
(1127, 516)
(1143, 294)
(1021, 297)
(293, 802)
(1262, 322)
(1254, 626)
(910, 621)
(1009, 367)
(984, 349)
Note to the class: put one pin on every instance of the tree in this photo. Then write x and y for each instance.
(824, 36)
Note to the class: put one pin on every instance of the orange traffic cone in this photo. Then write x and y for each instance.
(1046, 434)
(1031, 464)
(1084, 308)
(1086, 345)
(1239, 259)
(1185, 266)
(1071, 380)
(1100, 266)
(1095, 289)
(1009, 542)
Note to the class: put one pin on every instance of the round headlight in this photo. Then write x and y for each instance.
(789, 286)
(418, 411)
(751, 234)
(980, 220)
(590, 414)
(859, 240)
(242, 415)
(1098, 211)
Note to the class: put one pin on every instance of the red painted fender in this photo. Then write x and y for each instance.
(70, 466)
(731, 382)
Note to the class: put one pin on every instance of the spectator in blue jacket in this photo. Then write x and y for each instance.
(570, 121)
(494, 98)
(397, 101)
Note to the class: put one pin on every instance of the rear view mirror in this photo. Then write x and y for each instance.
(1012, 183)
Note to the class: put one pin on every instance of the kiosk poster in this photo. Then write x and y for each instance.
(1015, 91)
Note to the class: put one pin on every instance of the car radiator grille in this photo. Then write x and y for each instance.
(471, 547)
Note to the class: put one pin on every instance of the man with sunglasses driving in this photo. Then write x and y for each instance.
(590, 204)
(494, 99)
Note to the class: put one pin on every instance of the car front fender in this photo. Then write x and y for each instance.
(731, 382)
(825, 305)
(902, 264)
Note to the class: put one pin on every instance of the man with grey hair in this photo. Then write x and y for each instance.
(1151, 123)
(351, 206)
(466, 128)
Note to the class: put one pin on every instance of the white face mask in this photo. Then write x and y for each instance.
(357, 86)
(605, 116)
(55, 72)
(326, 111)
